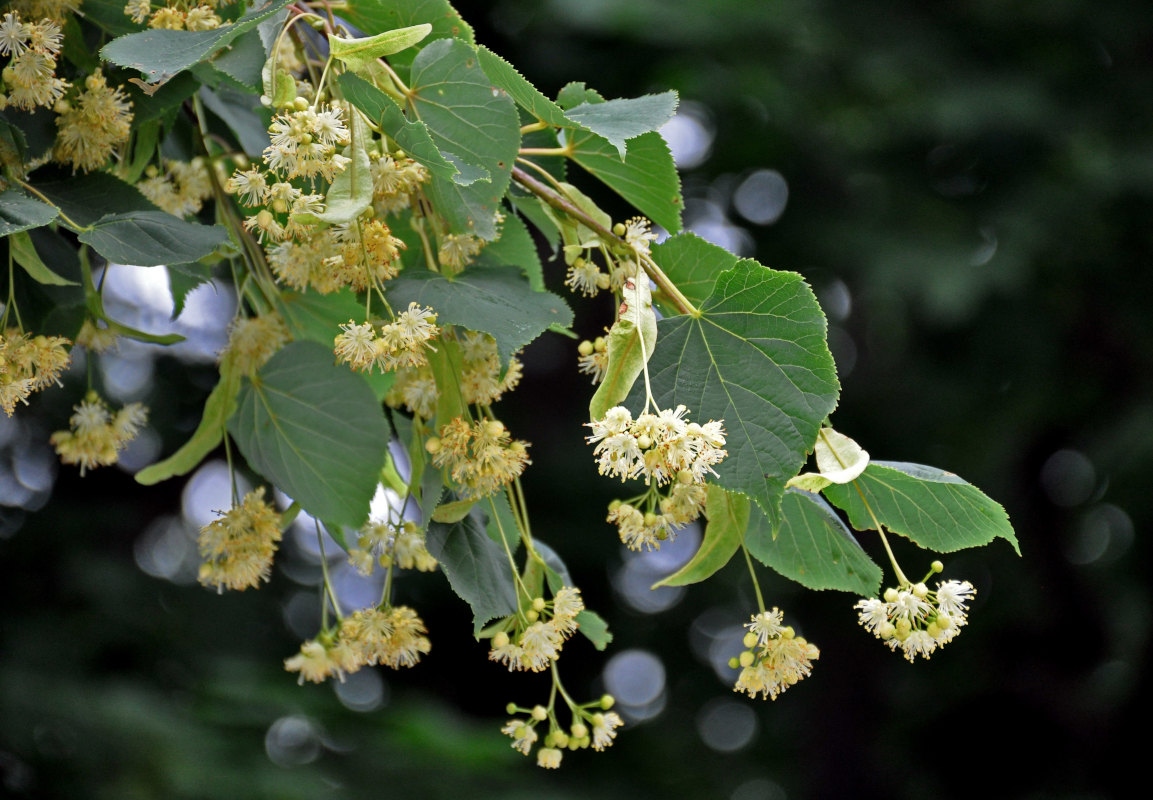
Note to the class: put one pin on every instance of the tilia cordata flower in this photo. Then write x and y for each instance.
(775, 657)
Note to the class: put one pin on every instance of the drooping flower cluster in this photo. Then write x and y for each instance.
(481, 457)
(656, 446)
(603, 731)
(394, 180)
(356, 254)
(93, 124)
(29, 364)
(481, 382)
(181, 189)
(915, 619)
(304, 142)
(96, 435)
(403, 343)
(776, 657)
(238, 547)
(392, 635)
(30, 74)
(96, 337)
(533, 641)
(388, 544)
(254, 340)
(458, 250)
(639, 529)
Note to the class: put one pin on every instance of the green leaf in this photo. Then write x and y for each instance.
(151, 238)
(505, 76)
(495, 300)
(315, 430)
(935, 509)
(376, 16)
(19, 212)
(239, 112)
(218, 409)
(412, 136)
(624, 119)
(87, 198)
(26, 256)
(318, 317)
(646, 177)
(555, 570)
(469, 118)
(476, 567)
(626, 357)
(501, 525)
(182, 280)
(453, 511)
(594, 628)
(812, 547)
(355, 52)
(161, 54)
(446, 364)
(692, 264)
(244, 60)
(350, 192)
(728, 514)
(756, 358)
(515, 248)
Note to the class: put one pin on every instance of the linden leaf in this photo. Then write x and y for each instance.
(757, 358)
(728, 515)
(935, 509)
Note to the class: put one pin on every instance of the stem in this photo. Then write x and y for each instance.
(327, 583)
(508, 552)
(539, 125)
(67, 220)
(675, 296)
(880, 529)
(753, 575)
(644, 355)
(544, 151)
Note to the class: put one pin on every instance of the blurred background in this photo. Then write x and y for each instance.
(967, 185)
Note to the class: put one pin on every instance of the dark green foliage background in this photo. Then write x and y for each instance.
(904, 130)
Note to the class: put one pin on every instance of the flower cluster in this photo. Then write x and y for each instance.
(657, 446)
(481, 382)
(402, 545)
(776, 657)
(304, 142)
(254, 340)
(638, 529)
(178, 15)
(97, 435)
(93, 124)
(30, 75)
(402, 343)
(593, 358)
(181, 189)
(238, 546)
(538, 635)
(915, 619)
(29, 364)
(390, 635)
(481, 457)
(585, 276)
(593, 725)
(458, 250)
(637, 233)
(394, 180)
(356, 254)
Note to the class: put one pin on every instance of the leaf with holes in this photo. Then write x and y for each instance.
(315, 430)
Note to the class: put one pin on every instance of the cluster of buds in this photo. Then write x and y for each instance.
(177, 15)
(915, 619)
(593, 725)
(481, 457)
(238, 547)
(29, 364)
(393, 636)
(96, 435)
(538, 634)
(775, 658)
(657, 447)
(181, 189)
(402, 343)
(388, 544)
(30, 75)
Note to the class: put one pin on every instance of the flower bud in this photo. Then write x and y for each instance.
(750, 640)
(432, 446)
(579, 730)
(539, 713)
(510, 708)
(747, 658)
(607, 702)
(499, 641)
(586, 348)
(937, 566)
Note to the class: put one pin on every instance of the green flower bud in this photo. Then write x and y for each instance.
(747, 658)
(539, 713)
(750, 640)
(586, 348)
